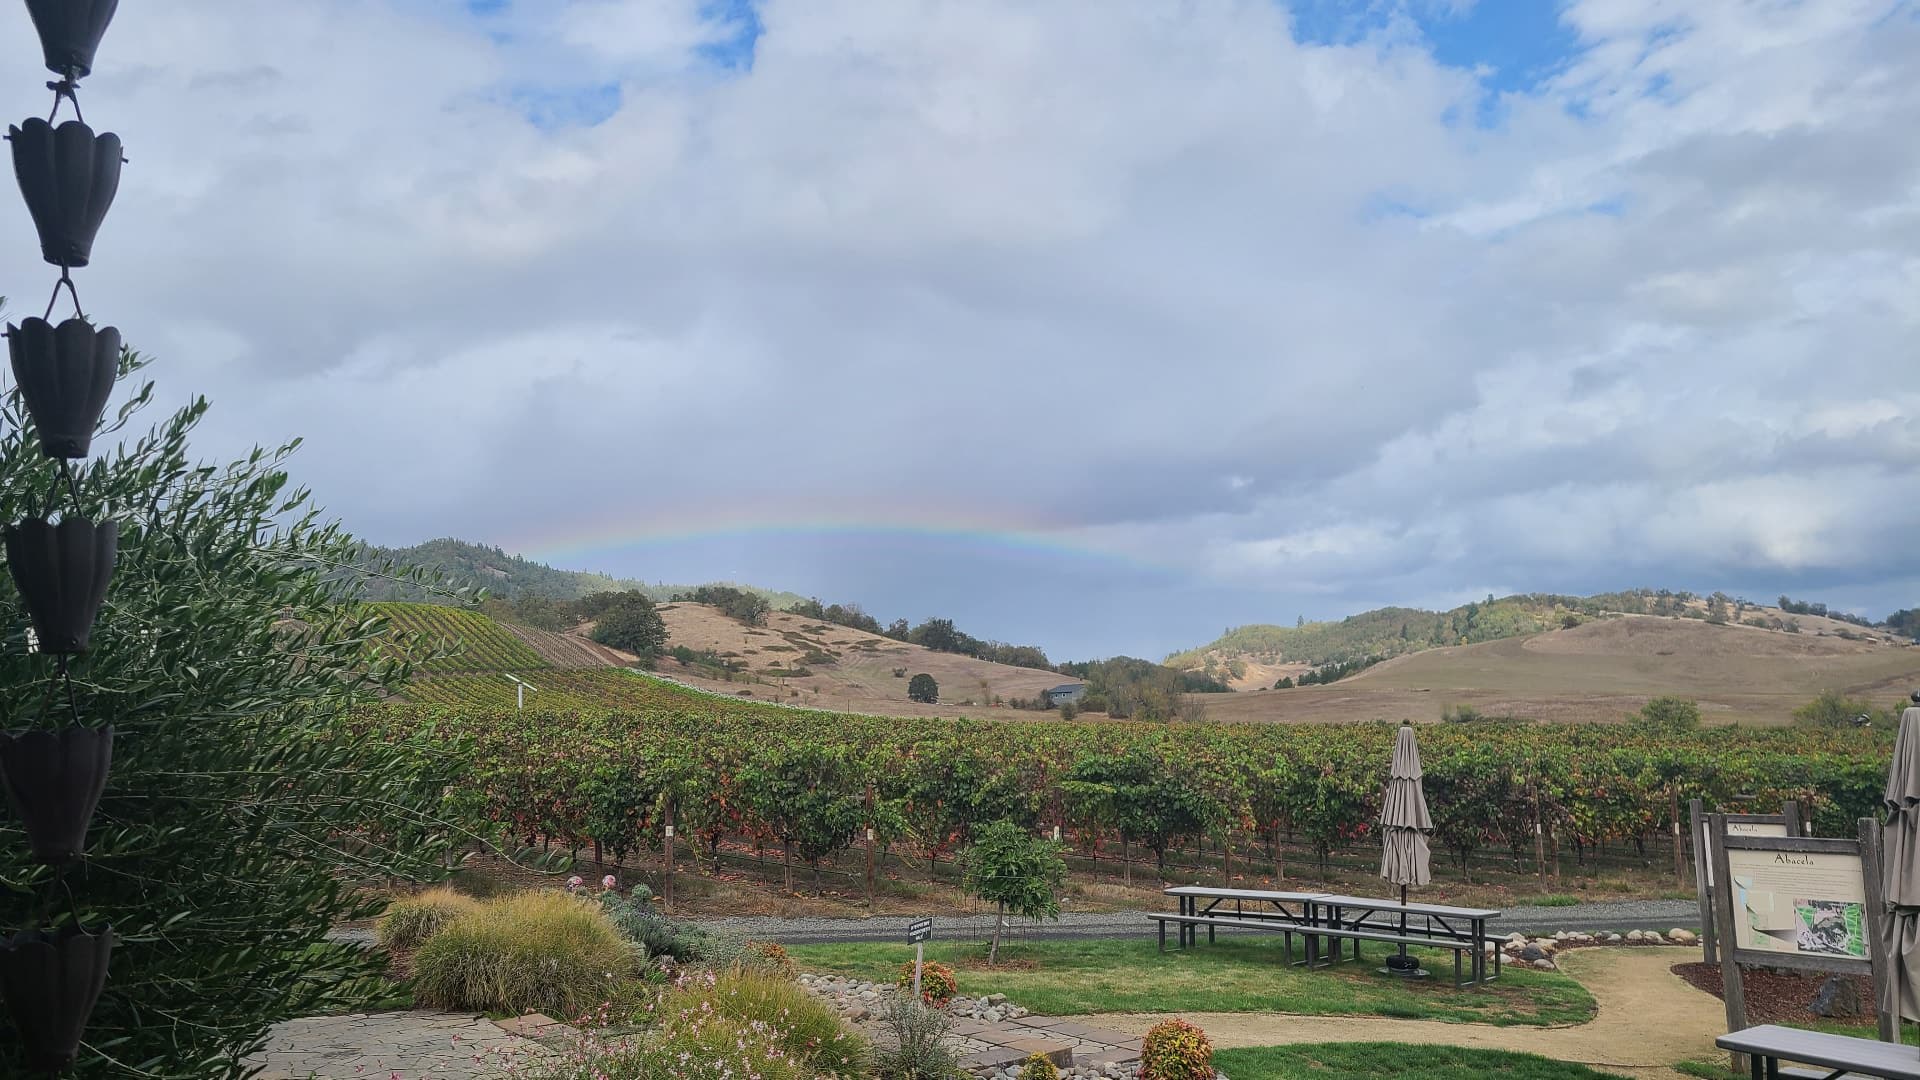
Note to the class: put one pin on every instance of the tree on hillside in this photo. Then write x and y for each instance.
(244, 804)
(633, 624)
(922, 688)
(1019, 873)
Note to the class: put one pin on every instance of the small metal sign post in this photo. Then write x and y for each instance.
(918, 931)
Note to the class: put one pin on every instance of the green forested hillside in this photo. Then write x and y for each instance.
(1389, 631)
(462, 565)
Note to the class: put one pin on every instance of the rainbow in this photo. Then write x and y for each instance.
(581, 539)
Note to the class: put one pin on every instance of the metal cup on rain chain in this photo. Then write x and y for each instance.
(68, 176)
(66, 374)
(62, 572)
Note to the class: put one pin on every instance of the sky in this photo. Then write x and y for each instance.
(1098, 324)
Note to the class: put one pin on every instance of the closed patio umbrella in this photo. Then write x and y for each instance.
(1404, 825)
(1900, 869)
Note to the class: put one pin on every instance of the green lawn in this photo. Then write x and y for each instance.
(1365, 1061)
(1244, 974)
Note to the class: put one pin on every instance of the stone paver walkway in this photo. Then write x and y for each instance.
(415, 1045)
(987, 1047)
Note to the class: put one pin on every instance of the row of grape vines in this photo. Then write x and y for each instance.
(816, 781)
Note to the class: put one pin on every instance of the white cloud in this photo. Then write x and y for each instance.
(1123, 264)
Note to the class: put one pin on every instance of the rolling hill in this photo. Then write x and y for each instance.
(803, 661)
(1603, 670)
(789, 660)
(458, 564)
(1256, 657)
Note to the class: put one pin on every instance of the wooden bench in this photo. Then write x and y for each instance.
(1837, 1055)
(1312, 933)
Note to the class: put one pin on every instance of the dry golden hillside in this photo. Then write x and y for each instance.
(1604, 670)
(847, 669)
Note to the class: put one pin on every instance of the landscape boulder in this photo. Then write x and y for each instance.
(1838, 999)
(1682, 937)
(1532, 953)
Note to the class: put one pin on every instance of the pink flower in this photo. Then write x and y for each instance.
(609, 883)
(574, 883)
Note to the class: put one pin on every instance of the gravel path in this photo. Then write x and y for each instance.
(1621, 915)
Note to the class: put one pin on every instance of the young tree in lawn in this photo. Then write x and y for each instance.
(1019, 872)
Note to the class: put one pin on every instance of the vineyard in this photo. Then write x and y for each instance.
(589, 689)
(810, 783)
(475, 642)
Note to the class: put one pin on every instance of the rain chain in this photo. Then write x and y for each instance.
(51, 976)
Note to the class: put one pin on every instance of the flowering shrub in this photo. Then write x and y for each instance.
(1176, 1050)
(808, 1027)
(921, 1049)
(771, 956)
(937, 984)
(700, 1046)
(609, 883)
(411, 921)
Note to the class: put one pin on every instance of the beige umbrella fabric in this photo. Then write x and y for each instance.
(1900, 867)
(1405, 859)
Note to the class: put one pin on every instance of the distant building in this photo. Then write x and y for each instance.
(1066, 692)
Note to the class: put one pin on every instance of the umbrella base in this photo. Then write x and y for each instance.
(1405, 967)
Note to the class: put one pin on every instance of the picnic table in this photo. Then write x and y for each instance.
(1334, 918)
(1836, 1055)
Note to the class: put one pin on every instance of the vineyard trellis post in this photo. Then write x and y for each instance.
(666, 850)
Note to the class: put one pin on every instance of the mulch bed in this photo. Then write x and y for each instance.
(1778, 997)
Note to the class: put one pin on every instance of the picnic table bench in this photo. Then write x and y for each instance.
(1836, 1055)
(1334, 918)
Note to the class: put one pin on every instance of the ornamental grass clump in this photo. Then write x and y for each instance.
(937, 981)
(408, 923)
(700, 1047)
(1176, 1050)
(808, 1027)
(542, 951)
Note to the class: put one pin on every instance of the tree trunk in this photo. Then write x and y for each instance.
(999, 919)
(786, 866)
(1126, 861)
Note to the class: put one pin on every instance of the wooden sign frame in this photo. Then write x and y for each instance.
(1733, 987)
(1788, 818)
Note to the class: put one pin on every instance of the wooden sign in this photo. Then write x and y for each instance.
(919, 930)
(1785, 823)
(1795, 902)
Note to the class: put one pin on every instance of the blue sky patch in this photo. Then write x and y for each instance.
(574, 106)
(734, 51)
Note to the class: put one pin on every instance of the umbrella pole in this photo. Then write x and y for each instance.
(1403, 920)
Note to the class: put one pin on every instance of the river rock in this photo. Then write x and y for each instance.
(1681, 936)
(1543, 965)
(1533, 953)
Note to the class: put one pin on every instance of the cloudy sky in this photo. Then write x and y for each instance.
(1100, 324)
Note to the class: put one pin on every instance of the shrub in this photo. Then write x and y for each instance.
(937, 983)
(1037, 1067)
(702, 1045)
(922, 688)
(410, 922)
(1669, 714)
(772, 957)
(806, 1026)
(639, 922)
(543, 951)
(921, 1050)
(1176, 1050)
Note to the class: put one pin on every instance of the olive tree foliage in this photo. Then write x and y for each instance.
(242, 811)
